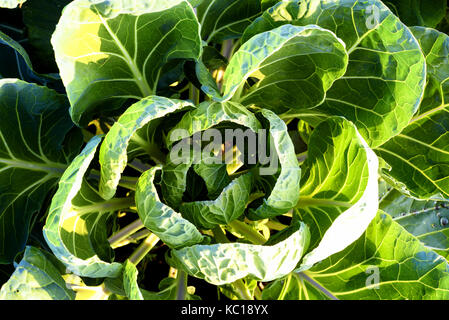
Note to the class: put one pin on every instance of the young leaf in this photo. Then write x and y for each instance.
(36, 278)
(227, 262)
(113, 151)
(130, 281)
(384, 81)
(227, 19)
(338, 189)
(74, 212)
(285, 193)
(419, 155)
(163, 221)
(229, 205)
(386, 263)
(33, 124)
(111, 51)
(294, 66)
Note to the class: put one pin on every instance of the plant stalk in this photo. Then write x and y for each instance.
(250, 234)
(122, 234)
(143, 249)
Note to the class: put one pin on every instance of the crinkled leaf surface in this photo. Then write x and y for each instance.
(130, 285)
(285, 193)
(229, 205)
(419, 155)
(227, 262)
(339, 191)
(163, 221)
(75, 211)
(404, 267)
(294, 66)
(227, 19)
(111, 51)
(33, 124)
(418, 12)
(428, 220)
(113, 151)
(36, 278)
(385, 78)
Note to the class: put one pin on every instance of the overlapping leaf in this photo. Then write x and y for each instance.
(384, 81)
(227, 262)
(419, 12)
(36, 278)
(113, 152)
(160, 219)
(75, 211)
(388, 263)
(338, 196)
(419, 155)
(294, 66)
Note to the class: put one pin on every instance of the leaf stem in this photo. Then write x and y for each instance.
(122, 234)
(143, 249)
(181, 285)
(249, 233)
(242, 290)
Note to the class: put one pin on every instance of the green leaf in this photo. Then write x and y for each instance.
(285, 193)
(113, 152)
(112, 51)
(385, 78)
(229, 205)
(214, 175)
(419, 155)
(36, 278)
(294, 66)
(163, 221)
(225, 263)
(11, 4)
(17, 64)
(428, 221)
(419, 12)
(130, 281)
(404, 268)
(227, 19)
(75, 211)
(33, 125)
(339, 190)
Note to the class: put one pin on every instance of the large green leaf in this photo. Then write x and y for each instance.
(428, 221)
(404, 268)
(74, 215)
(33, 125)
(285, 193)
(338, 189)
(113, 151)
(163, 221)
(419, 12)
(385, 78)
(419, 155)
(36, 278)
(227, 19)
(229, 205)
(227, 262)
(111, 51)
(294, 66)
